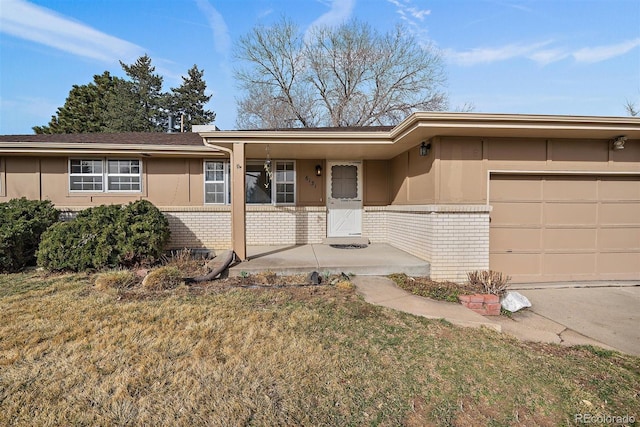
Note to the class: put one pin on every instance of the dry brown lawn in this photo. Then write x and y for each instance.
(71, 354)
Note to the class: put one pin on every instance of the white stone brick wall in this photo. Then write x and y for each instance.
(374, 224)
(208, 227)
(286, 225)
(460, 243)
(453, 238)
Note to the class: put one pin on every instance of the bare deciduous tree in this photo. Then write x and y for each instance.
(349, 75)
(631, 108)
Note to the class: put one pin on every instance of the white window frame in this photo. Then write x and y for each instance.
(225, 181)
(118, 174)
(258, 162)
(101, 174)
(105, 174)
(274, 182)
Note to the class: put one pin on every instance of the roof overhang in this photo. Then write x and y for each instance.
(361, 143)
(99, 149)
(423, 126)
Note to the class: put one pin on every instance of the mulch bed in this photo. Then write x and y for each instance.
(425, 287)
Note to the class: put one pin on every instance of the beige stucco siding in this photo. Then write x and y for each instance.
(461, 171)
(165, 182)
(174, 182)
(399, 178)
(413, 177)
(456, 172)
(309, 187)
(22, 177)
(377, 177)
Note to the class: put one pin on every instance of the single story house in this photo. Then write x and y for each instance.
(541, 198)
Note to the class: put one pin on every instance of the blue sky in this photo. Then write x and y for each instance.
(576, 57)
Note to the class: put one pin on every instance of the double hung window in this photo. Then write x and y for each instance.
(123, 175)
(266, 182)
(90, 175)
(216, 182)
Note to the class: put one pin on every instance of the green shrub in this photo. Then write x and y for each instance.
(115, 279)
(163, 278)
(22, 222)
(106, 236)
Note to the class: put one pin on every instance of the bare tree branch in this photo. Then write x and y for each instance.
(631, 108)
(349, 75)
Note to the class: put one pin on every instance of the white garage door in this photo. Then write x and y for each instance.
(571, 227)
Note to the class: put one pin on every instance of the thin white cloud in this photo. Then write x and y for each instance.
(544, 57)
(408, 12)
(602, 53)
(413, 18)
(265, 13)
(41, 25)
(540, 53)
(494, 54)
(339, 12)
(221, 38)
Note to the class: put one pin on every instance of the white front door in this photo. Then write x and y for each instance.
(344, 198)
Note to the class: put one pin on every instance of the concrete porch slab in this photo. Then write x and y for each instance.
(377, 259)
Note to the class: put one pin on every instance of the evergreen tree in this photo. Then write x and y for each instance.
(188, 100)
(136, 104)
(142, 97)
(85, 107)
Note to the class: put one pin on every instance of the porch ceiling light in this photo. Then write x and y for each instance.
(618, 143)
(318, 170)
(425, 149)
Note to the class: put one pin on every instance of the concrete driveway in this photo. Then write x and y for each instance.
(604, 312)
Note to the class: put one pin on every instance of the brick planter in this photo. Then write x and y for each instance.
(485, 304)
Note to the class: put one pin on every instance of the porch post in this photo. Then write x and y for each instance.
(238, 199)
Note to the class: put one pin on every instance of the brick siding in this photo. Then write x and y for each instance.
(453, 238)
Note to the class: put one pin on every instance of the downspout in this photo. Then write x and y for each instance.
(240, 248)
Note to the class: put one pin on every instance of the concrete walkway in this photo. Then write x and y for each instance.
(525, 325)
(383, 291)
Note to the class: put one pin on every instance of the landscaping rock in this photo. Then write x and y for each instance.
(514, 301)
(142, 273)
(314, 278)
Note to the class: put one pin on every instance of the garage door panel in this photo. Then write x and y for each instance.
(515, 239)
(514, 188)
(584, 227)
(526, 214)
(620, 239)
(620, 188)
(522, 263)
(627, 213)
(570, 213)
(570, 238)
(570, 188)
(619, 263)
(569, 263)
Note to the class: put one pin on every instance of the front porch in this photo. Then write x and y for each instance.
(378, 259)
